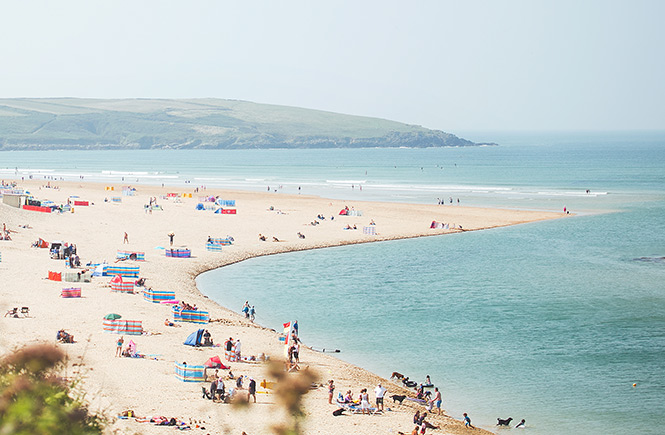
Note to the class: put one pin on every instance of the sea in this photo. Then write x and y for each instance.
(560, 323)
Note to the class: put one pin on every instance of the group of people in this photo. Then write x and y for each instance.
(263, 238)
(442, 201)
(249, 312)
(232, 350)
(185, 306)
(421, 424)
(363, 398)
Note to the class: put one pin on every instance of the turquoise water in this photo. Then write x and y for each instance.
(552, 322)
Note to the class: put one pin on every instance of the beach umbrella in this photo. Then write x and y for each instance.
(112, 316)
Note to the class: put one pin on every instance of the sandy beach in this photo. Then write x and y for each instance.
(148, 386)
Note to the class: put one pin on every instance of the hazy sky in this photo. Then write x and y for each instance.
(451, 65)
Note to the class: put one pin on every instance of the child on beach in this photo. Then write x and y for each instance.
(118, 348)
(467, 421)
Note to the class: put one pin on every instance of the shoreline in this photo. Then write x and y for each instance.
(99, 233)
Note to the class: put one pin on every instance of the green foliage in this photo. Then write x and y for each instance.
(34, 400)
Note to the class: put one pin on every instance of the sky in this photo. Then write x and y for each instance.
(467, 65)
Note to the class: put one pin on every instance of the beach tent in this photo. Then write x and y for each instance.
(118, 285)
(188, 373)
(195, 338)
(41, 243)
(200, 206)
(215, 363)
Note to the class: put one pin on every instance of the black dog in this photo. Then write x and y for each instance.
(504, 422)
(397, 398)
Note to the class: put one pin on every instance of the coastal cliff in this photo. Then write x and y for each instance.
(72, 123)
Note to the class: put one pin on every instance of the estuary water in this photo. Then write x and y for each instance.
(552, 322)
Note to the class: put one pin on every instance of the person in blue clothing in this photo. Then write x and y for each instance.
(252, 314)
(467, 421)
(245, 309)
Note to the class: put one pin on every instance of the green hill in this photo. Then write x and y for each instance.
(71, 123)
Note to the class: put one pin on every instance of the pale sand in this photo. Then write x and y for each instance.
(149, 387)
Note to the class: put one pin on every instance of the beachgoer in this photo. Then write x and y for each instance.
(171, 235)
(168, 323)
(522, 424)
(220, 389)
(245, 309)
(437, 399)
(467, 421)
(126, 239)
(349, 397)
(416, 417)
(118, 348)
(252, 314)
(206, 338)
(331, 390)
(364, 401)
(379, 392)
(236, 350)
(296, 351)
(252, 389)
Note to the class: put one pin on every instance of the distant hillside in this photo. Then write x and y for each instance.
(71, 123)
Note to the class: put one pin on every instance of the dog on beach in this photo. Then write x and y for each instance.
(398, 398)
(504, 422)
(396, 375)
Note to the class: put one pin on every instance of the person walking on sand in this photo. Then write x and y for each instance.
(331, 391)
(252, 389)
(467, 421)
(126, 239)
(171, 235)
(437, 399)
(118, 346)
